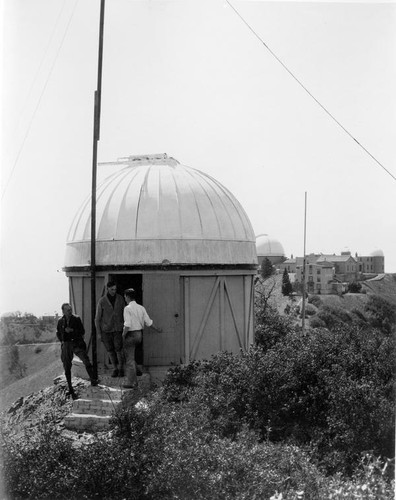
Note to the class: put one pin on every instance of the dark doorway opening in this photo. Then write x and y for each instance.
(125, 281)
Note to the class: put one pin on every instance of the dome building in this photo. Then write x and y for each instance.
(270, 248)
(372, 262)
(184, 243)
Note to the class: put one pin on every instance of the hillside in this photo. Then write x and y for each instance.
(42, 364)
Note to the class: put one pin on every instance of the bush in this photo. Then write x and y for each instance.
(354, 287)
(380, 313)
(271, 327)
(330, 390)
(310, 310)
(316, 322)
(315, 300)
(46, 465)
(182, 457)
(334, 317)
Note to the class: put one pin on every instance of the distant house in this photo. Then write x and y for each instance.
(289, 265)
(319, 277)
(346, 267)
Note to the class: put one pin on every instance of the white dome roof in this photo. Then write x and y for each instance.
(377, 253)
(155, 210)
(268, 247)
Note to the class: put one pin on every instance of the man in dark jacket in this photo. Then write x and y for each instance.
(109, 322)
(70, 331)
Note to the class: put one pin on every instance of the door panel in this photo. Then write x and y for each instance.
(161, 297)
(217, 315)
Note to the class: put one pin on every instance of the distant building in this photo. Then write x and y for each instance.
(269, 248)
(327, 273)
(374, 263)
(319, 277)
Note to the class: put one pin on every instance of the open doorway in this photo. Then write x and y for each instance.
(124, 281)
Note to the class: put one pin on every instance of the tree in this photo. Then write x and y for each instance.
(286, 285)
(266, 269)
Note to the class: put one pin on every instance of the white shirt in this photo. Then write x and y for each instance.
(135, 316)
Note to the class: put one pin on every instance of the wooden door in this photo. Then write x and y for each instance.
(218, 315)
(161, 298)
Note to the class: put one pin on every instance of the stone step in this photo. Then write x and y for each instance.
(102, 392)
(95, 406)
(87, 422)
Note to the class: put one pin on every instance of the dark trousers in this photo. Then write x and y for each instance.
(139, 352)
(78, 348)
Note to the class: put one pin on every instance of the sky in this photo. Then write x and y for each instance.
(190, 78)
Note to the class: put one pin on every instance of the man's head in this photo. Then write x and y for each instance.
(129, 295)
(111, 288)
(67, 309)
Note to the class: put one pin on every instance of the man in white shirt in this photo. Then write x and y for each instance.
(135, 318)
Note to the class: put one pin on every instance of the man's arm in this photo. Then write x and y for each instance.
(126, 328)
(79, 330)
(59, 330)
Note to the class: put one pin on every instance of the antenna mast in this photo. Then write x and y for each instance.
(304, 265)
(96, 137)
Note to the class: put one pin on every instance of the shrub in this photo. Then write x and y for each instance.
(331, 390)
(381, 313)
(315, 300)
(271, 327)
(354, 287)
(316, 322)
(46, 465)
(182, 457)
(310, 310)
(334, 317)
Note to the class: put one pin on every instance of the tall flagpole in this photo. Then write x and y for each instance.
(96, 137)
(304, 266)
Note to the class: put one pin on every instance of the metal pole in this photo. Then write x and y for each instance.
(304, 264)
(96, 137)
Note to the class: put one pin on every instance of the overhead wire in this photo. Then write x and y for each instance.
(308, 92)
(39, 67)
(39, 99)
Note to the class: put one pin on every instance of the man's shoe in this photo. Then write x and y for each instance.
(114, 373)
(120, 372)
(139, 373)
(72, 394)
(94, 381)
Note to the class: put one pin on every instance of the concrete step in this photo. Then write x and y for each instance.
(87, 422)
(95, 406)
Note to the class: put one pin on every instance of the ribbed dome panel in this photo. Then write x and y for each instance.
(154, 200)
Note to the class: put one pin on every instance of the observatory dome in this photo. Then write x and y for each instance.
(155, 211)
(268, 247)
(377, 253)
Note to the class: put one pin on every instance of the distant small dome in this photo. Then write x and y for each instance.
(268, 247)
(155, 210)
(377, 253)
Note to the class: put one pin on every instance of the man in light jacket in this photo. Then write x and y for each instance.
(109, 322)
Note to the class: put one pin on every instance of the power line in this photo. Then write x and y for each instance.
(307, 91)
(39, 100)
(40, 65)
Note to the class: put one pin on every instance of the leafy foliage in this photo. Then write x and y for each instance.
(354, 287)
